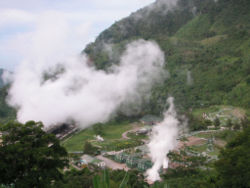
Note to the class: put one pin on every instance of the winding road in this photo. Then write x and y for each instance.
(135, 128)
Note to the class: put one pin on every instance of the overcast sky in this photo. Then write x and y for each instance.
(80, 20)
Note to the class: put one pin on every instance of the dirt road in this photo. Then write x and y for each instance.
(136, 127)
(112, 164)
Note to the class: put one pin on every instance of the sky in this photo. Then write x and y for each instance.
(81, 21)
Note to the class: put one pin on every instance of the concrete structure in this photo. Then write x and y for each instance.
(135, 160)
(121, 157)
(62, 130)
(101, 164)
(144, 164)
(132, 161)
(99, 138)
(88, 158)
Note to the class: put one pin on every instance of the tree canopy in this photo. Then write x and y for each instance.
(29, 157)
(233, 165)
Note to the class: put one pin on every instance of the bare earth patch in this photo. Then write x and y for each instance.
(238, 113)
(191, 141)
(220, 143)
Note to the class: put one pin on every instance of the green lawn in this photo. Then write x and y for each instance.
(114, 130)
(76, 141)
(216, 152)
(111, 131)
(200, 148)
(118, 144)
(139, 136)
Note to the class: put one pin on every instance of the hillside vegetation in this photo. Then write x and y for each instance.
(207, 49)
(1, 79)
(6, 113)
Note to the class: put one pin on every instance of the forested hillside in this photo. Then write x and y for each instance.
(6, 113)
(1, 79)
(206, 44)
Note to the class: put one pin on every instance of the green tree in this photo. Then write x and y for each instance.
(244, 122)
(233, 165)
(229, 123)
(207, 122)
(135, 179)
(195, 123)
(98, 129)
(29, 157)
(88, 148)
(217, 122)
(236, 126)
(76, 178)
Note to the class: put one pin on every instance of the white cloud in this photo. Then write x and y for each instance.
(13, 16)
(128, 4)
(84, 20)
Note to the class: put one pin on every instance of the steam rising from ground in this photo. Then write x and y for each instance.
(54, 93)
(164, 139)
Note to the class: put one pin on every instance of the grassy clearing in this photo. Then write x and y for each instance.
(76, 141)
(116, 145)
(111, 131)
(114, 130)
(196, 28)
(216, 152)
(222, 112)
(212, 40)
(204, 135)
(200, 148)
(226, 135)
(139, 136)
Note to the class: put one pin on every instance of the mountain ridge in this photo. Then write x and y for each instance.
(1, 77)
(206, 40)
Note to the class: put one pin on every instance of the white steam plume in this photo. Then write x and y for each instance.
(76, 91)
(163, 139)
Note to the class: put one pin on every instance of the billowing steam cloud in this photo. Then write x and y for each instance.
(163, 139)
(73, 90)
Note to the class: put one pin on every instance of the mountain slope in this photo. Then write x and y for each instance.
(1, 78)
(6, 113)
(206, 44)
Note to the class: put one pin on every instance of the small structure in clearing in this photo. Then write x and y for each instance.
(87, 159)
(99, 138)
